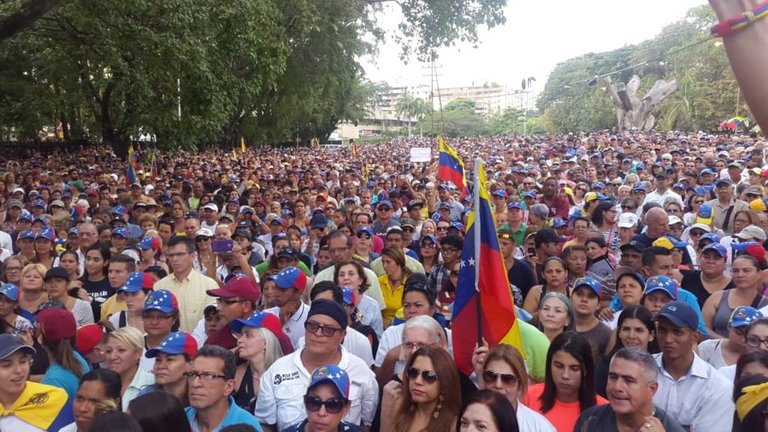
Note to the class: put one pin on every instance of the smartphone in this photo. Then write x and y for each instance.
(531, 251)
(222, 245)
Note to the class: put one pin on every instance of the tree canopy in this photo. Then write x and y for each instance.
(192, 73)
(574, 100)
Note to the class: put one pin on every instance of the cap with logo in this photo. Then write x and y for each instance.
(334, 375)
(680, 314)
(742, 316)
(588, 282)
(148, 243)
(10, 291)
(291, 277)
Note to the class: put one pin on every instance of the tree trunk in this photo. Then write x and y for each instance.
(23, 17)
(633, 112)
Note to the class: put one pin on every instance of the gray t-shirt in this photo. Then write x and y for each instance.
(602, 419)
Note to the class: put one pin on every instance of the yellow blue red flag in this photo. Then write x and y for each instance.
(451, 168)
(483, 304)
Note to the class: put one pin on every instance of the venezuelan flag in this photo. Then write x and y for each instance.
(451, 167)
(483, 303)
(154, 172)
(130, 175)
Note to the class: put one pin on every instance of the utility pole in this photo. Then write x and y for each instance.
(432, 68)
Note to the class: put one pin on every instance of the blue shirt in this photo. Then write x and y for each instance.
(235, 415)
(58, 376)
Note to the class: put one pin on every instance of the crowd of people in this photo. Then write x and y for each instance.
(312, 289)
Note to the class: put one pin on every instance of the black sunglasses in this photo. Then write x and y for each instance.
(327, 331)
(491, 377)
(429, 377)
(333, 405)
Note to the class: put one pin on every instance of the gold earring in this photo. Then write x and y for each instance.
(438, 407)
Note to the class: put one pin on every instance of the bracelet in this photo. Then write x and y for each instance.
(728, 27)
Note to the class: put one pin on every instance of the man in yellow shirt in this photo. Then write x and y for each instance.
(120, 267)
(188, 285)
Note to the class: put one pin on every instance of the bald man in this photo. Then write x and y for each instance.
(656, 225)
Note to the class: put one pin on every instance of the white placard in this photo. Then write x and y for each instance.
(421, 154)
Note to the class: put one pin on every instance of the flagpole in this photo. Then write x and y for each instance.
(478, 240)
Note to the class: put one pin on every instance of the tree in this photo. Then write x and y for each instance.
(23, 16)
(458, 118)
(411, 108)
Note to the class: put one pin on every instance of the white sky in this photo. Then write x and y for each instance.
(536, 37)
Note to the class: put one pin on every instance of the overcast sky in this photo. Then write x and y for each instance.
(537, 36)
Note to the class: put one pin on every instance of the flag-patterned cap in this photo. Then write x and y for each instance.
(334, 375)
(46, 233)
(11, 291)
(161, 300)
(175, 343)
(742, 316)
(149, 243)
(291, 277)
(137, 281)
(661, 283)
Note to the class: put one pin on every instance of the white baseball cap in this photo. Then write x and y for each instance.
(628, 220)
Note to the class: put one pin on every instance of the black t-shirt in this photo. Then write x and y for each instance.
(521, 276)
(692, 282)
(99, 292)
(602, 419)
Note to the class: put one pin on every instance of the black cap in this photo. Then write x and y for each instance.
(245, 233)
(329, 308)
(634, 244)
(318, 221)
(56, 272)
(287, 252)
(547, 235)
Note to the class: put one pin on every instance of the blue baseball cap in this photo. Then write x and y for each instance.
(291, 277)
(680, 314)
(137, 281)
(662, 283)
(706, 171)
(26, 217)
(639, 187)
(743, 315)
(558, 222)
(598, 185)
(428, 237)
(175, 343)
(27, 235)
(74, 230)
(148, 243)
(723, 180)
(501, 193)
(46, 233)
(122, 232)
(530, 194)
(39, 203)
(258, 320)
(678, 185)
(118, 211)
(711, 237)
(457, 226)
(717, 248)
(640, 166)
(334, 375)
(364, 229)
(515, 205)
(590, 282)
(161, 300)
(384, 203)
(11, 291)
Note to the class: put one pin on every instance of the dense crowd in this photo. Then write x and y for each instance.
(312, 289)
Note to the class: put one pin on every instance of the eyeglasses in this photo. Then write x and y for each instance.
(756, 341)
(228, 301)
(442, 229)
(333, 405)
(204, 376)
(408, 229)
(410, 346)
(428, 376)
(326, 331)
(10, 269)
(363, 235)
(491, 377)
(696, 233)
(428, 245)
(449, 250)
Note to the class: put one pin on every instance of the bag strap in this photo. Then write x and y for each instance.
(727, 218)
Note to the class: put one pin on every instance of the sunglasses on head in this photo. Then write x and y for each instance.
(428, 376)
(333, 405)
(491, 377)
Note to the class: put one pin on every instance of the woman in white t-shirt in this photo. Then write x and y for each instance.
(502, 369)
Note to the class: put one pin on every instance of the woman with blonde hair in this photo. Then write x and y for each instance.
(123, 351)
(32, 289)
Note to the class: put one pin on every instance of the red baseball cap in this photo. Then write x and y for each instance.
(238, 286)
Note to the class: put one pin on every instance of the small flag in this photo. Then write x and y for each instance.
(242, 144)
(451, 167)
(153, 171)
(494, 315)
